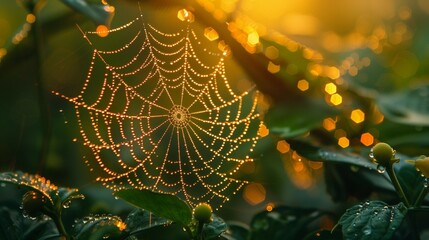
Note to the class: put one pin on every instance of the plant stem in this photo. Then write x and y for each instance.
(421, 196)
(391, 172)
(56, 217)
(43, 104)
(200, 226)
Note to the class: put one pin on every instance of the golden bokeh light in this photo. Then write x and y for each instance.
(253, 38)
(367, 139)
(263, 131)
(30, 18)
(254, 193)
(226, 50)
(102, 31)
(329, 124)
(269, 207)
(185, 16)
(336, 99)
(357, 116)
(343, 142)
(283, 146)
(330, 88)
(273, 68)
(121, 225)
(332, 72)
(211, 34)
(303, 85)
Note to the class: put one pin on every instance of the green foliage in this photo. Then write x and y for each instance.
(286, 121)
(283, 223)
(56, 198)
(14, 226)
(372, 220)
(237, 231)
(140, 220)
(98, 227)
(94, 10)
(407, 107)
(332, 155)
(348, 173)
(214, 229)
(163, 205)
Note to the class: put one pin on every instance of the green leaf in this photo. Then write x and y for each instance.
(56, 196)
(372, 220)
(214, 229)
(97, 12)
(98, 227)
(408, 107)
(14, 226)
(411, 180)
(283, 223)
(297, 119)
(140, 220)
(237, 231)
(413, 137)
(163, 205)
(343, 182)
(312, 152)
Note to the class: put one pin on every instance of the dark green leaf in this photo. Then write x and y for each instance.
(411, 180)
(237, 231)
(214, 229)
(315, 153)
(97, 12)
(13, 225)
(413, 137)
(343, 182)
(372, 220)
(57, 196)
(67, 195)
(98, 227)
(408, 107)
(298, 118)
(283, 223)
(140, 219)
(163, 205)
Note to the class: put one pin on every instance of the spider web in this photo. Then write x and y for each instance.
(159, 113)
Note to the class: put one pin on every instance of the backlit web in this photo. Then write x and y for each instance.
(159, 113)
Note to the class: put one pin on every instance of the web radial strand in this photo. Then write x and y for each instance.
(158, 112)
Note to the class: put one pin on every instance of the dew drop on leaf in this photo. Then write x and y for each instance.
(381, 169)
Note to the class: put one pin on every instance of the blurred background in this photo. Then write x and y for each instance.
(346, 54)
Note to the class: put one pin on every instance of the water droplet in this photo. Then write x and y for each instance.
(106, 236)
(371, 154)
(116, 197)
(25, 214)
(367, 232)
(425, 183)
(381, 169)
(66, 204)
